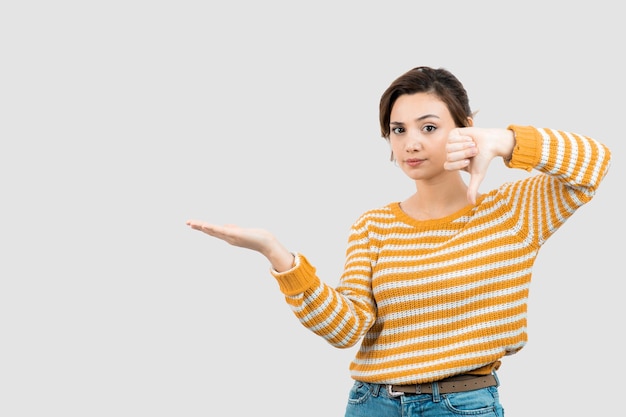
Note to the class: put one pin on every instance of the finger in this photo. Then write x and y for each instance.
(459, 135)
(209, 229)
(459, 156)
(472, 189)
(456, 165)
(462, 156)
(460, 146)
(214, 230)
(194, 224)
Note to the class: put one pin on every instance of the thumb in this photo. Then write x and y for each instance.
(472, 190)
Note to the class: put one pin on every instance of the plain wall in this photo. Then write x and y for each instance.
(120, 120)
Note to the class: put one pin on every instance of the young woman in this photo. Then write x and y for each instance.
(435, 287)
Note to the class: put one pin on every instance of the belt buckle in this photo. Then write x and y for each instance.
(393, 393)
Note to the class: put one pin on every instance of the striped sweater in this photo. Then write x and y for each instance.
(431, 299)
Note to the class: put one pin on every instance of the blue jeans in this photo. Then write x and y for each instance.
(373, 400)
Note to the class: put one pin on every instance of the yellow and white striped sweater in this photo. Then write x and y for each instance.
(431, 299)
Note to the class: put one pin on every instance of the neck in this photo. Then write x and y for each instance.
(432, 201)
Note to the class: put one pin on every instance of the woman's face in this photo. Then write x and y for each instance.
(420, 124)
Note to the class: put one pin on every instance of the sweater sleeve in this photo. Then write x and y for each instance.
(340, 315)
(571, 167)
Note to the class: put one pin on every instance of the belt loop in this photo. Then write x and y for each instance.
(436, 396)
(495, 375)
(375, 389)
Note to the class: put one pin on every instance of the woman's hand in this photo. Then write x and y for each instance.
(471, 149)
(258, 240)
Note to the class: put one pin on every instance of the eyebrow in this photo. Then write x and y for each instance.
(426, 116)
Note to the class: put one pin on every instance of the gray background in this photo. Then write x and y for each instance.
(120, 120)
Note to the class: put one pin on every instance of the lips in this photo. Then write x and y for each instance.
(413, 162)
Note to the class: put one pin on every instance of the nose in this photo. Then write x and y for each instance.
(413, 143)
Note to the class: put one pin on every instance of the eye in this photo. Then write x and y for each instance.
(397, 130)
(429, 128)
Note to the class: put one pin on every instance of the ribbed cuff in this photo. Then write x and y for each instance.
(527, 151)
(298, 279)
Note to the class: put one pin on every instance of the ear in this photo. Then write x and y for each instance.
(470, 122)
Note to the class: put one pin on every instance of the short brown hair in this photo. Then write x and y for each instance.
(440, 82)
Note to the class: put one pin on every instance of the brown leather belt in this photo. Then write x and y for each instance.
(460, 383)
